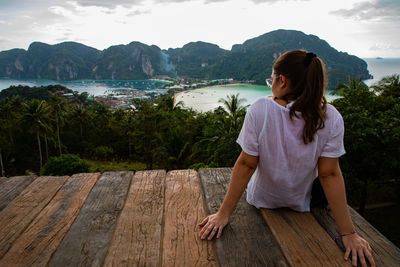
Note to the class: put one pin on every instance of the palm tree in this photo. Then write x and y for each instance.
(232, 104)
(388, 86)
(81, 115)
(10, 115)
(57, 106)
(35, 119)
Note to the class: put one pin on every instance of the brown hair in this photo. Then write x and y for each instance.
(306, 73)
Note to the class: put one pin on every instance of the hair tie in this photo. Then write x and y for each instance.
(308, 58)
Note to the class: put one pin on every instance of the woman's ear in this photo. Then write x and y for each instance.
(284, 81)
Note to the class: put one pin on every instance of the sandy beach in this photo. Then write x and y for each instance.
(177, 95)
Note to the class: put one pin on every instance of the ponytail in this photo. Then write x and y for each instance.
(306, 73)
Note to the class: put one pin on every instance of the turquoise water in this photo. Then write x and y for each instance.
(93, 87)
(207, 98)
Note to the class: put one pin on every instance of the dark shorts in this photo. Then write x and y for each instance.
(318, 199)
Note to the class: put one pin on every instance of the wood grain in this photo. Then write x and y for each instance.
(246, 240)
(11, 187)
(184, 209)
(302, 240)
(137, 237)
(86, 242)
(25, 207)
(39, 241)
(385, 253)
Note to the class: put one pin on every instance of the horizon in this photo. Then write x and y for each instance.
(364, 28)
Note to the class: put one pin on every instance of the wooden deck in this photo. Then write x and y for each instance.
(150, 218)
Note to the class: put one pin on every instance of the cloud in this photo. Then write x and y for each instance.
(274, 1)
(219, 1)
(138, 12)
(109, 4)
(384, 47)
(376, 10)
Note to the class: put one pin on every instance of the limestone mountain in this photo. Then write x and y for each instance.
(132, 61)
(65, 61)
(259, 54)
(251, 60)
(194, 58)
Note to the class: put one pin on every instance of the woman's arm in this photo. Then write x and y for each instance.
(332, 182)
(242, 171)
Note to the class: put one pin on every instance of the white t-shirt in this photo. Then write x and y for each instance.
(286, 167)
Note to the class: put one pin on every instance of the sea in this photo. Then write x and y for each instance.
(202, 99)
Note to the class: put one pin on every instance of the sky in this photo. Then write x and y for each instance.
(365, 28)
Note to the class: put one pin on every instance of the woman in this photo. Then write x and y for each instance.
(287, 141)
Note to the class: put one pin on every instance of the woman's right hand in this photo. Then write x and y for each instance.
(213, 224)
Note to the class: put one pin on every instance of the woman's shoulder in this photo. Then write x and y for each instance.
(261, 103)
(332, 113)
(259, 108)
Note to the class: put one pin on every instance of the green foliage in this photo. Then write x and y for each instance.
(102, 166)
(233, 105)
(198, 166)
(67, 164)
(103, 152)
(29, 93)
(372, 123)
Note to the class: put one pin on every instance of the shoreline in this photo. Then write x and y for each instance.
(210, 86)
(206, 102)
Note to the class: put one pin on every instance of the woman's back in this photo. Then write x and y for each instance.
(287, 166)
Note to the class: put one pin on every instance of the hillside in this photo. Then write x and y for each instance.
(251, 60)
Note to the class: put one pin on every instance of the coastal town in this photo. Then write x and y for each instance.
(124, 97)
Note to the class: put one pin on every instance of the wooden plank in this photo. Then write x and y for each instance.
(86, 242)
(137, 236)
(20, 212)
(3, 179)
(246, 240)
(11, 187)
(184, 207)
(385, 253)
(39, 241)
(303, 241)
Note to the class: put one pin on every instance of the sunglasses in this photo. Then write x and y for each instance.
(268, 81)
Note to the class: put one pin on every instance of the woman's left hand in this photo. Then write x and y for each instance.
(359, 249)
(213, 224)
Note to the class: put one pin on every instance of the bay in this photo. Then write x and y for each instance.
(92, 87)
(208, 98)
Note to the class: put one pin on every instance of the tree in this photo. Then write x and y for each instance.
(36, 120)
(372, 135)
(145, 136)
(389, 86)
(57, 106)
(218, 145)
(81, 115)
(233, 104)
(10, 115)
